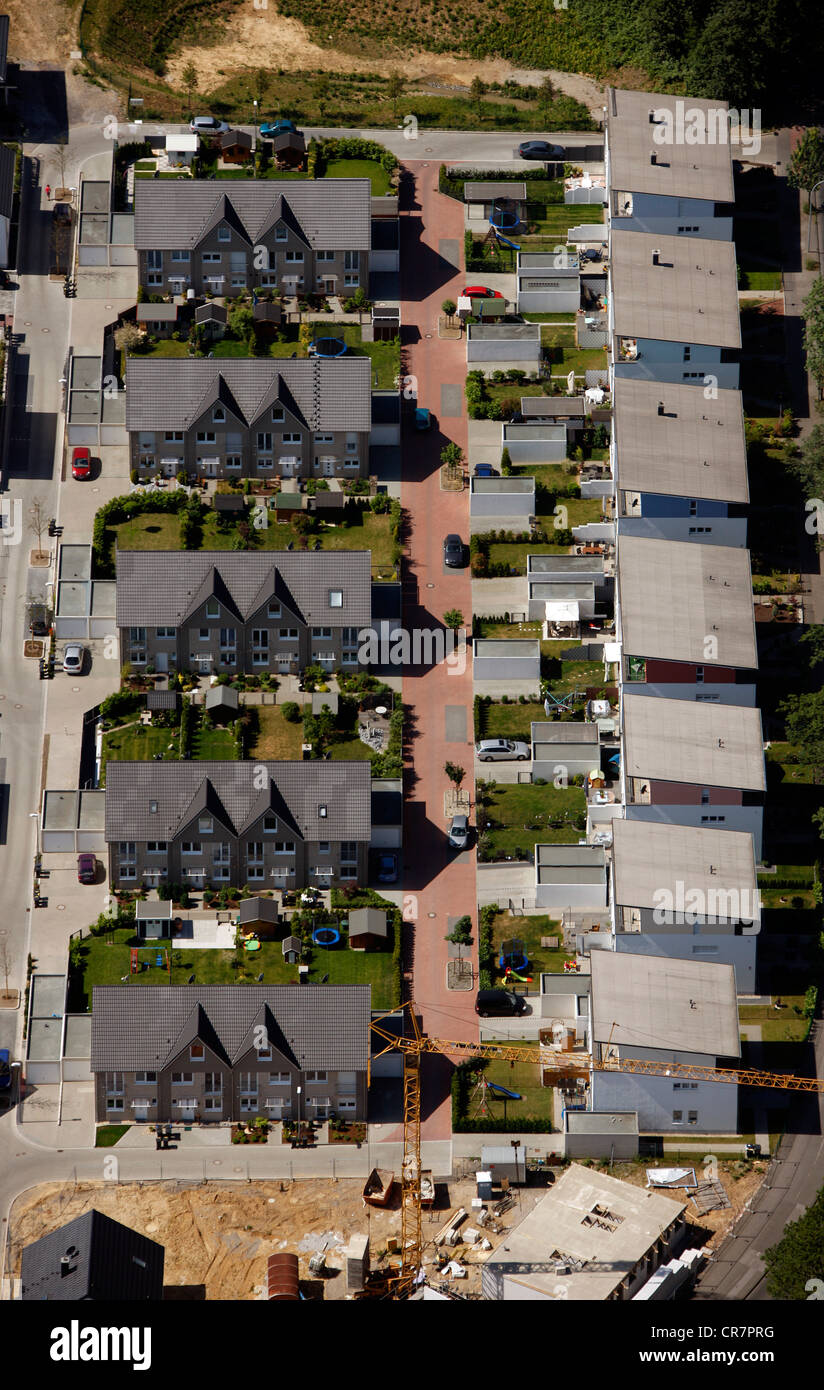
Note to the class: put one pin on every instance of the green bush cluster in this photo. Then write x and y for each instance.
(121, 509)
(353, 147)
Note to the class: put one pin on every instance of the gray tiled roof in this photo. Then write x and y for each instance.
(332, 214)
(157, 588)
(172, 393)
(111, 1263)
(136, 1029)
(232, 791)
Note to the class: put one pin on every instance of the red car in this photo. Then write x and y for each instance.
(86, 868)
(81, 463)
(481, 292)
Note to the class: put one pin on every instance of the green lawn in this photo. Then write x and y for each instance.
(787, 758)
(214, 744)
(511, 721)
(385, 356)
(161, 531)
(105, 964)
(523, 815)
(107, 1135)
(524, 1078)
(568, 675)
(138, 743)
(275, 738)
(565, 357)
(489, 629)
(529, 930)
(360, 169)
(760, 280)
(579, 510)
(514, 553)
(349, 750)
(777, 1025)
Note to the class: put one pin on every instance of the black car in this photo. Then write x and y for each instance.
(499, 1003)
(540, 149)
(453, 551)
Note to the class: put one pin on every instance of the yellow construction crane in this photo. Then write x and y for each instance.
(558, 1068)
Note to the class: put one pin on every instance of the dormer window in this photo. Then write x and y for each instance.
(153, 807)
(323, 812)
(212, 608)
(223, 234)
(335, 598)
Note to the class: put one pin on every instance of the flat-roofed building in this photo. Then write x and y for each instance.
(561, 746)
(659, 182)
(686, 605)
(679, 463)
(570, 877)
(654, 1008)
(591, 1238)
(693, 764)
(673, 309)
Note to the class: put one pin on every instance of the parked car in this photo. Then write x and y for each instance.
(423, 418)
(540, 149)
(498, 1003)
(453, 551)
(480, 292)
(491, 750)
(73, 658)
(5, 1069)
(86, 868)
(485, 470)
(81, 462)
(387, 868)
(459, 832)
(38, 619)
(270, 129)
(207, 125)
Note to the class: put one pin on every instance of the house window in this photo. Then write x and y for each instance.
(320, 634)
(212, 608)
(213, 1083)
(260, 646)
(281, 233)
(114, 1083)
(154, 260)
(708, 699)
(351, 260)
(128, 851)
(153, 280)
(288, 634)
(182, 1078)
(324, 847)
(197, 1052)
(677, 1117)
(218, 415)
(156, 847)
(206, 437)
(324, 255)
(351, 280)
(254, 872)
(293, 438)
(112, 1103)
(687, 353)
(273, 610)
(249, 1102)
(335, 598)
(213, 1103)
(685, 1085)
(190, 847)
(211, 258)
(294, 258)
(699, 675)
(284, 846)
(349, 851)
(692, 1117)
(228, 637)
(278, 414)
(264, 1054)
(145, 1078)
(220, 853)
(248, 1083)
(705, 796)
(223, 234)
(264, 442)
(203, 634)
(205, 825)
(346, 1104)
(164, 633)
(270, 825)
(254, 852)
(279, 1078)
(173, 436)
(178, 255)
(234, 461)
(316, 1076)
(238, 282)
(324, 439)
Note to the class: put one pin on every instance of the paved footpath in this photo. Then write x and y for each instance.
(441, 881)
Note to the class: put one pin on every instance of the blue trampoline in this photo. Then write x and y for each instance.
(329, 347)
(504, 216)
(325, 936)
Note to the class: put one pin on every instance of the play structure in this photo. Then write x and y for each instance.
(500, 237)
(513, 956)
(325, 936)
(504, 216)
(485, 1092)
(328, 347)
(162, 960)
(510, 975)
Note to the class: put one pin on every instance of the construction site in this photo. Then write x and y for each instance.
(218, 1236)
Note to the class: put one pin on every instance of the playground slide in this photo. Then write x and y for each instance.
(522, 979)
(502, 1091)
(505, 240)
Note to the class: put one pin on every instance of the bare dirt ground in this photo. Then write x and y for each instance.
(218, 1236)
(43, 35)
(715, 1225)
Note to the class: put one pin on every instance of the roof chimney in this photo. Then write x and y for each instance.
(655, 257)
(652, 157)
(660, 407)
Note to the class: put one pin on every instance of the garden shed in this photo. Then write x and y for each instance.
(259, 914)
(368, 929)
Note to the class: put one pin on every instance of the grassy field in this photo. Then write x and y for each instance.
(777, 1025)
(559, 341)
(524, 815)
(564, 676)
(105, 964)
(385, 356)
(524, 1079)
(161, 531)
(139, 743)
(275, 739)
(107, 1135)
(349, 750)
(514, 553)
(529, 930)
(360, 169)
(511, 721)
(554, 219)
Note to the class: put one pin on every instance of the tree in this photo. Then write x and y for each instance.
(477, 90)
(799, 1255)
(5, 966)
(128, 338)
(454, 618)
(804, 725)
(814, 637)
(241, 320)
(546, 96)
(394, 90)
(806, 165)
(454, 772)
(189, 76)
(808, 464)
(452, 455)
(37, 522)
(448, 307)
(461, 933)
(813, 334)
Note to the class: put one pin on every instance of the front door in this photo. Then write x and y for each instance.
(329, 468)
(162, 663)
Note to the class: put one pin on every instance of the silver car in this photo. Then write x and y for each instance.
(491, 750)
(73, 658)
(459, 832)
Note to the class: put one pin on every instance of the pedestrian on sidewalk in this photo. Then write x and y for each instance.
(48, 190)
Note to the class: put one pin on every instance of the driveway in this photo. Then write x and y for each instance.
(493, 597)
